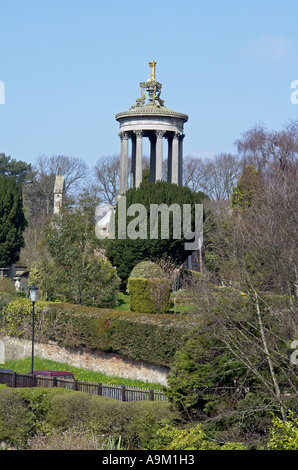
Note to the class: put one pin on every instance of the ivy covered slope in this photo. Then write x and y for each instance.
(151, 338)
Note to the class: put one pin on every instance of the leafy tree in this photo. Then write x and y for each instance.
(71, 266)
(12, 220)
(126, 253)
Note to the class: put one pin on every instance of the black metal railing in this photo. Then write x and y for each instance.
(118, 392)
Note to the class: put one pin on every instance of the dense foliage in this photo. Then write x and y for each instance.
(28, 412)
(146, 270)
(12, 220)
(127, 253)
(284, 435)
(14, 168)
(133, 335)
(149, 295)
(60, 419)
(222, 374)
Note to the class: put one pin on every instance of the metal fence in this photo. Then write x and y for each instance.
(118, 392)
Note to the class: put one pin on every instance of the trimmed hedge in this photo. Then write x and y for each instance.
(139, 296)
(140, 299)
(150, 338)
(25, 412)
(135, 422)
(5, 299)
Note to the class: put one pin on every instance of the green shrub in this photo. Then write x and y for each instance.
(5, 299)
(25, 411)
(146, 270)
(18, 317)
(190, 438)
(139, 296)
(70, 410)
(173, 438)
(135, 422)
(160, 294)
(14, 427)
(7, 285)
(149, 295)
(284, 435)
(143, 425)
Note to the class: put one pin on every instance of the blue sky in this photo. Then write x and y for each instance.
(68, 66)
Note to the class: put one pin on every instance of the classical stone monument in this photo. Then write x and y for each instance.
(152, 120)
(59, 190)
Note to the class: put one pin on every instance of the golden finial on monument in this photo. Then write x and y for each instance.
(152, 71)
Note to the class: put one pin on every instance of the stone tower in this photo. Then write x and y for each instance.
(152, 120)
(59, 190)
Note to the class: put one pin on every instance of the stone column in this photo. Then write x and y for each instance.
(124, 162)
(139, 157)
(152, 139)
(159, 154)
(170, 143)
(175, 157)
(133, 161)
(180, 160)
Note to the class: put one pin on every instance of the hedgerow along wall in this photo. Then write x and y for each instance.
(112, 341)
(111, 364)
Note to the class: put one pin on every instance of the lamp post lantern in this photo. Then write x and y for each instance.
(33, 296)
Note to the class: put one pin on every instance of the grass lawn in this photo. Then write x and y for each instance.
(124, 301)
(23, 366)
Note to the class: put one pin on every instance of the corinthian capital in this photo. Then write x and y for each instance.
(160, 134)
(178, 135)
(139, 133)
(124, 135)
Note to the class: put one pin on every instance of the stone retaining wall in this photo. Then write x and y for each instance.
(108, 363)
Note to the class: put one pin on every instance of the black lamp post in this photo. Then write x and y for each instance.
(33, 296)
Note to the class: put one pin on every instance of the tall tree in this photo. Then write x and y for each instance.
(216, 177)
(12, 167)
(39, 192)
(12, 220)
(274, 149)
(247, 188)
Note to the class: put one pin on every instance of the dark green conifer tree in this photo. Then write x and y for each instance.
(12, 220)
(127, 253)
